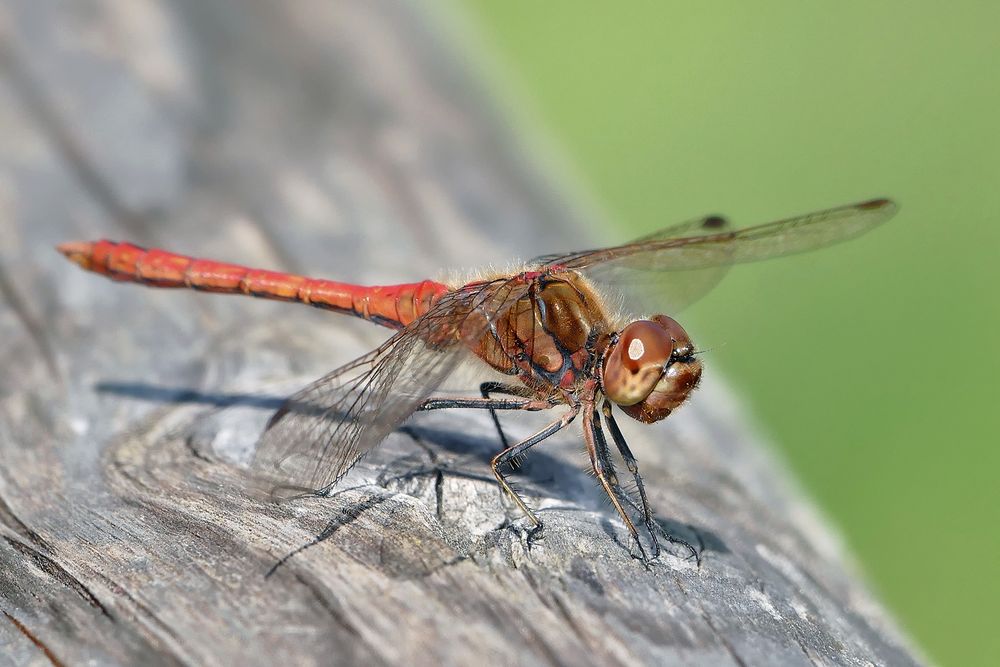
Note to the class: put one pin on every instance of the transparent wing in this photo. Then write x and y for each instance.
(323, 431)
(649, 290)
(679, 264)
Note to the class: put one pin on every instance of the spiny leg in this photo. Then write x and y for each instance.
(633, 467)
(490, 404)
(513, 452)
(528, 403)
(604, 469)
(488, 388)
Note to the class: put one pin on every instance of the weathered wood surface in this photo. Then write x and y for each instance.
(340, 139)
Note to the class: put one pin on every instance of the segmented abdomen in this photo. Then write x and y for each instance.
(393, 306)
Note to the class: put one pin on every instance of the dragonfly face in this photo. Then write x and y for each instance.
(649, 369)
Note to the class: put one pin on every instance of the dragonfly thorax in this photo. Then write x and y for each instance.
(649, 368)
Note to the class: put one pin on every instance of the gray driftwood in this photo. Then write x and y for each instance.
(345, 140)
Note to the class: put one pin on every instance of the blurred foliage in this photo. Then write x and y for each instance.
(874, 364)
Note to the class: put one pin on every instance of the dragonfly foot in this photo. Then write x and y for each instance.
(640, 553)
(534, 534)
(693, 552)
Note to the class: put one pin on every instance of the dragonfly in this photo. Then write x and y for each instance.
(553, 330)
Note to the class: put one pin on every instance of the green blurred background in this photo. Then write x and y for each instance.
(873, 365)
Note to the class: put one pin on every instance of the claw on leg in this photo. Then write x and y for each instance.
(535, 534)
(511, 453)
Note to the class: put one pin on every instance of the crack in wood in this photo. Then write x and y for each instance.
(34, 639)
(58, 572)
(11, 520)
(149, 614)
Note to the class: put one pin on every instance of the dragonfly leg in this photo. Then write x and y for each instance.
(511, 453)
(633, 467)
(526, 401)
(488, 388)
(604, 469)
(490, 404)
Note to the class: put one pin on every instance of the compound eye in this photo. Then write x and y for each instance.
(681, 341)
(635, 362)
(644, 343)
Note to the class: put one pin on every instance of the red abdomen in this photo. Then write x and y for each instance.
(394, 306)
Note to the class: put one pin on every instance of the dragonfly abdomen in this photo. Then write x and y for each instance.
(393, 306)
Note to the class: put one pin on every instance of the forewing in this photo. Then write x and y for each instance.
(323, 431)
(673, 267)
(649, 290)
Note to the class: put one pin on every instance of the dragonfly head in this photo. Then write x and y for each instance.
(649, 368)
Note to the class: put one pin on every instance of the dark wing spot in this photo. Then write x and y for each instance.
(873, 204)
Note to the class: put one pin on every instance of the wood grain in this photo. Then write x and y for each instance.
(349, 141)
